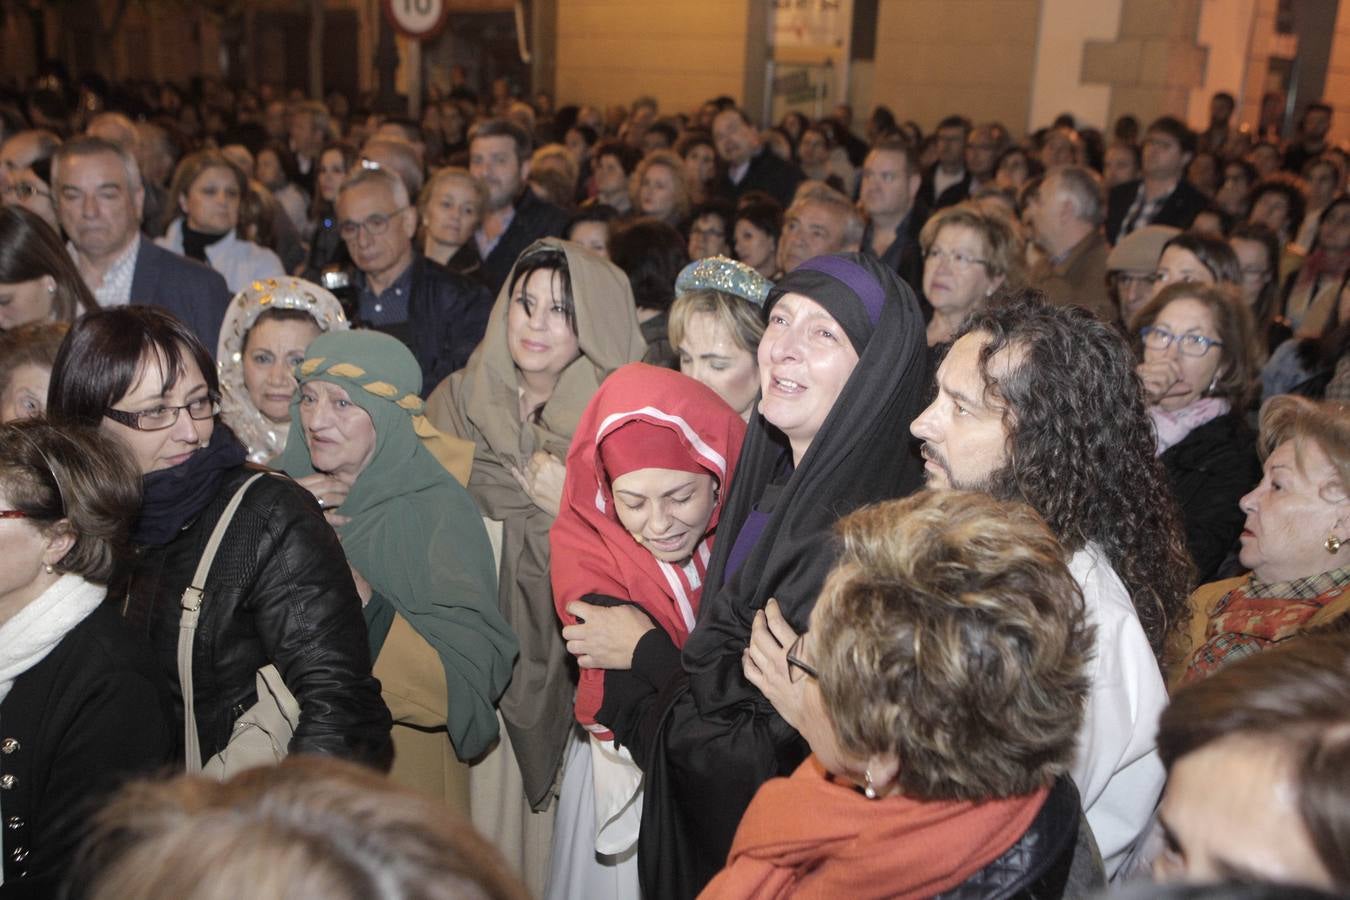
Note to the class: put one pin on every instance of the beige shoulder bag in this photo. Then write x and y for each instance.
(262, 734)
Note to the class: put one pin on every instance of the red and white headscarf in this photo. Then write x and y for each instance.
(641, 417)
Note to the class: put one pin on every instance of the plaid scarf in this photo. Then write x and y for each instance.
(1256, 615)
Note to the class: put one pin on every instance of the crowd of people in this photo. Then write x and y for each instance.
(670, 506)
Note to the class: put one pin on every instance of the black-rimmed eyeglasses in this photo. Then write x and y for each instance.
(373, 225)
(162, 417)
(798, 667)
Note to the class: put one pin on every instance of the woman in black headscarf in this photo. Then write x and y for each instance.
(830, 434)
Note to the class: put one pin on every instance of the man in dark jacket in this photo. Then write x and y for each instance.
(499, 157)
(1162, 196)
(948, 178)
(441, 316)
(748, 165)
(99, 199)
(890, 187)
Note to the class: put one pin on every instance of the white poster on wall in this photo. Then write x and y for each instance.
(808, 66)
(810, 23)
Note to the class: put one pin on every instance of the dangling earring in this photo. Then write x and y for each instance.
(49, 568)
(868, 791)
(1333, 544)
(1213, 383)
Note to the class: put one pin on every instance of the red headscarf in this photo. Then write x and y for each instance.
(591, 552)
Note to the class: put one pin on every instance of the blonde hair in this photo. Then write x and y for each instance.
(1289, 417)
(1003, 244)
(313, 827)
(739, 317)
(671, 160)
(952, 634)
(447, 174)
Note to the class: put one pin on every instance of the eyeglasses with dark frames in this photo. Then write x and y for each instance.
(373, 225)
(162, 417)
(798, 667)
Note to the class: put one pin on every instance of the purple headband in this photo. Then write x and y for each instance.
(856, 279)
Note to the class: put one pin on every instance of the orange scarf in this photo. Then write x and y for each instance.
(811, 836)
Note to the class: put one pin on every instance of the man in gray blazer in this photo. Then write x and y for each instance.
(99, 196)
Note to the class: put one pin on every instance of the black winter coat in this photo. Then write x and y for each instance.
(767, 172)
(1178, 210)
(448, 313)
(533, 219)
(88, 716)
(1209, 472)
(280, 591)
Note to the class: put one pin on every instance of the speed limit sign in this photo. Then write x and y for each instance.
(417, 19)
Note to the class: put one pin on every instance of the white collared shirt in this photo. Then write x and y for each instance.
(115, 289)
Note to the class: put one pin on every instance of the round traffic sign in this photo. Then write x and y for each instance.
(419, 19)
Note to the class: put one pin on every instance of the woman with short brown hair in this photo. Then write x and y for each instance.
(943, 686)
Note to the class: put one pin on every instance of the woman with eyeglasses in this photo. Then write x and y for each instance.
(280, 590)
(1198, 370)
(38, 280)
(969, 256)
(81, 707)
(32, 192)
(941, 687)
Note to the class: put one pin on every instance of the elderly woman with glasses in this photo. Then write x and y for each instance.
(1198, 368)
(279, 592)
(969, 255)
(941, 686)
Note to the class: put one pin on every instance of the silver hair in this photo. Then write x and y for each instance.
(376, 176)
(822, 193)
(1084, 189)
(92, 146)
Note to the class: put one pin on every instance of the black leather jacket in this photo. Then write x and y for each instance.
(279, 591)
(1038, 866)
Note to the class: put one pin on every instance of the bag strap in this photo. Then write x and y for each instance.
(187, 625)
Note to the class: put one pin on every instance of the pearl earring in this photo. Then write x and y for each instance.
(868, 791)
(1333, 544)
(50, 569)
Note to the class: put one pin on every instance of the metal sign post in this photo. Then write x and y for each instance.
(419, 21)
